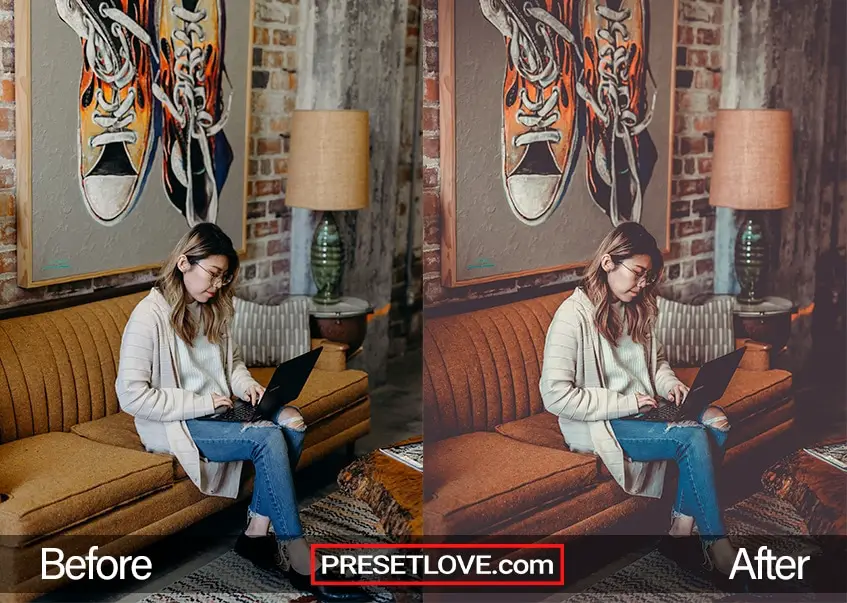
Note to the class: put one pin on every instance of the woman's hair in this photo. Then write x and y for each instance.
(626, 240)
(204, 240)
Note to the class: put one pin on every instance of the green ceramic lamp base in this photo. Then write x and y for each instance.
(327, 260)
(751, 259)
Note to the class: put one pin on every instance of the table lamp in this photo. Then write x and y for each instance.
(328, 169)
(752, 171)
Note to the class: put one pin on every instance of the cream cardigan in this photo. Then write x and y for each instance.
(148, 388)
(573, 388)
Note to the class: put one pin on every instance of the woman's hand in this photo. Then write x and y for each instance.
(678, 394)
(255, 393)
(220, 400)
(645, 402)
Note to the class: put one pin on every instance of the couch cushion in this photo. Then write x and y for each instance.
(482, 478)
(119, 430)
(57, 480)
(325, 393)
(541, 429)
(748, 391)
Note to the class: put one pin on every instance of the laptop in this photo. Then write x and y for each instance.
(710, 385)
(285, 385)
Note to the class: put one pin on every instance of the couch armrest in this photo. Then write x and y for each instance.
(334, 355)
(757, 357)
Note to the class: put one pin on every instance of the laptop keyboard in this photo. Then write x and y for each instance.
(667, 411)
(240, 412)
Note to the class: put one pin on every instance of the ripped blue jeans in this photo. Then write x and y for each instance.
(274, 448)
(696, 449)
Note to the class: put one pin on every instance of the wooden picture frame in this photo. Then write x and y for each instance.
(26, 209)
(451, 275)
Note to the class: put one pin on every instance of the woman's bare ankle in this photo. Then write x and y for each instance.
(723, 554)
(682, 525)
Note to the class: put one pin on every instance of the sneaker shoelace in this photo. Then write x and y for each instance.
(613, 93)
(542, 69)
(114, 115)
(188, 105)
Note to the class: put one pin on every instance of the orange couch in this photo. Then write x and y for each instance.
(71, 462)
(496, 462)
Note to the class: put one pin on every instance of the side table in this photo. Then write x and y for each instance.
(344, 322)
(767, 322)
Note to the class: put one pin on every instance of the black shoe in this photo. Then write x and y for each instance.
(326, 594)
(262, 551)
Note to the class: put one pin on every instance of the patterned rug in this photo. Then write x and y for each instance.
(654, 577)
(336, 518)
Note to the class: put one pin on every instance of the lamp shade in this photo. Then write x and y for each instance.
(328, 162)
(752, 160)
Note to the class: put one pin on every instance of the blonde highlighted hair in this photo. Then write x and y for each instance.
(202, 241)
(625, 241)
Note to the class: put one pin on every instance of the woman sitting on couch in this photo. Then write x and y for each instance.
(178, 363)
(602, 362)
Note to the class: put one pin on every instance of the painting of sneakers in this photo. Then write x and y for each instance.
(197, 155)
(116, 135)
(133, 122)
(618, 104)
(556, 123)
(540, 133)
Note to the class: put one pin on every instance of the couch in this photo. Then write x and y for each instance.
(496, 462)
(71, 462)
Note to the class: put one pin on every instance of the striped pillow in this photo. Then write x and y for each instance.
(693, 335)
(271, 334)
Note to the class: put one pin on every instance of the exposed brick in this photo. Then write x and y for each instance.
(431, 59)
(264, 229)
(691, 187)
(7, 204)
(260, 79)
(690, 165)
(680, 209)
(681, 56)
(705, 266)
(8, 232)
(432, 230)
(7, 120)
(249, 272)
(277, 207)
(281, 266)
(430, 29)
(7, 32)
(7, 178)
(676, 166)
(432, 261)
(688, 228)
(7, 91)
(431, 90)
(430, 177)
(708, 37)
(8, 262)
(701, 246)
(275, 247)
(680, 123)
(698, 58)
(430, 119)
(704, 123)
(280, 165)
(704, 165)
(685, 35)
(7, 148)
(431, 146)
(430, 203)
(261, 36)
(256, 209)
(715, 59)
(692, 145)
(269, 146)
(684, 78)
(702, 208)
(673, 272)
(267, 187)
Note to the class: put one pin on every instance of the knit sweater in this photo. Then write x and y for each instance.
(625, 364)
(201, 364)
(574, 388)
(150, 388)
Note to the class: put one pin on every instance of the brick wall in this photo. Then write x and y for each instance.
(406, 300)
(266, 267)
(690, 262)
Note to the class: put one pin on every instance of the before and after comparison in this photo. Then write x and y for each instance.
(423, 301)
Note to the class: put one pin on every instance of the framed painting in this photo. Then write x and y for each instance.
(556, 124)
(133, 122)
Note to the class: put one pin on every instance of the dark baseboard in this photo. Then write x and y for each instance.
(73, 300)
(471, 305)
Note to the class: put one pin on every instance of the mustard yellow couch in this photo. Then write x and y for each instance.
(71, 462)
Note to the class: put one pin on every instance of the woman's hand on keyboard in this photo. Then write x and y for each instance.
(221, 401)
(678, 393)
(645, 402)
(255, 393)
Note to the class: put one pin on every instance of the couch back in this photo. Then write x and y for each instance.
(482, 368)
(58, 368)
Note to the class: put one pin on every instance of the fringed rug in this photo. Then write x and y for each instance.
(230, 578)
(654, 577)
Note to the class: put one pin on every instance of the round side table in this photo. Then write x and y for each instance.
(344, 322)
(767, 322)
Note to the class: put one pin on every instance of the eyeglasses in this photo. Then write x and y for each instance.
(217, 280)
(648, 277)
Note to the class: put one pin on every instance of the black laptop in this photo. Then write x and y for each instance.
(710, 385)
(285, 385)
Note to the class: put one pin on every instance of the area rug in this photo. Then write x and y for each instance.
(336, 518)
(755, 521)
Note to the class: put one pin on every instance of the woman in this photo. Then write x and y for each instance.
(177, 363)
(602, 362)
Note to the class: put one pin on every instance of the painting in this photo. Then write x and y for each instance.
(556, 125)
(130, 131)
